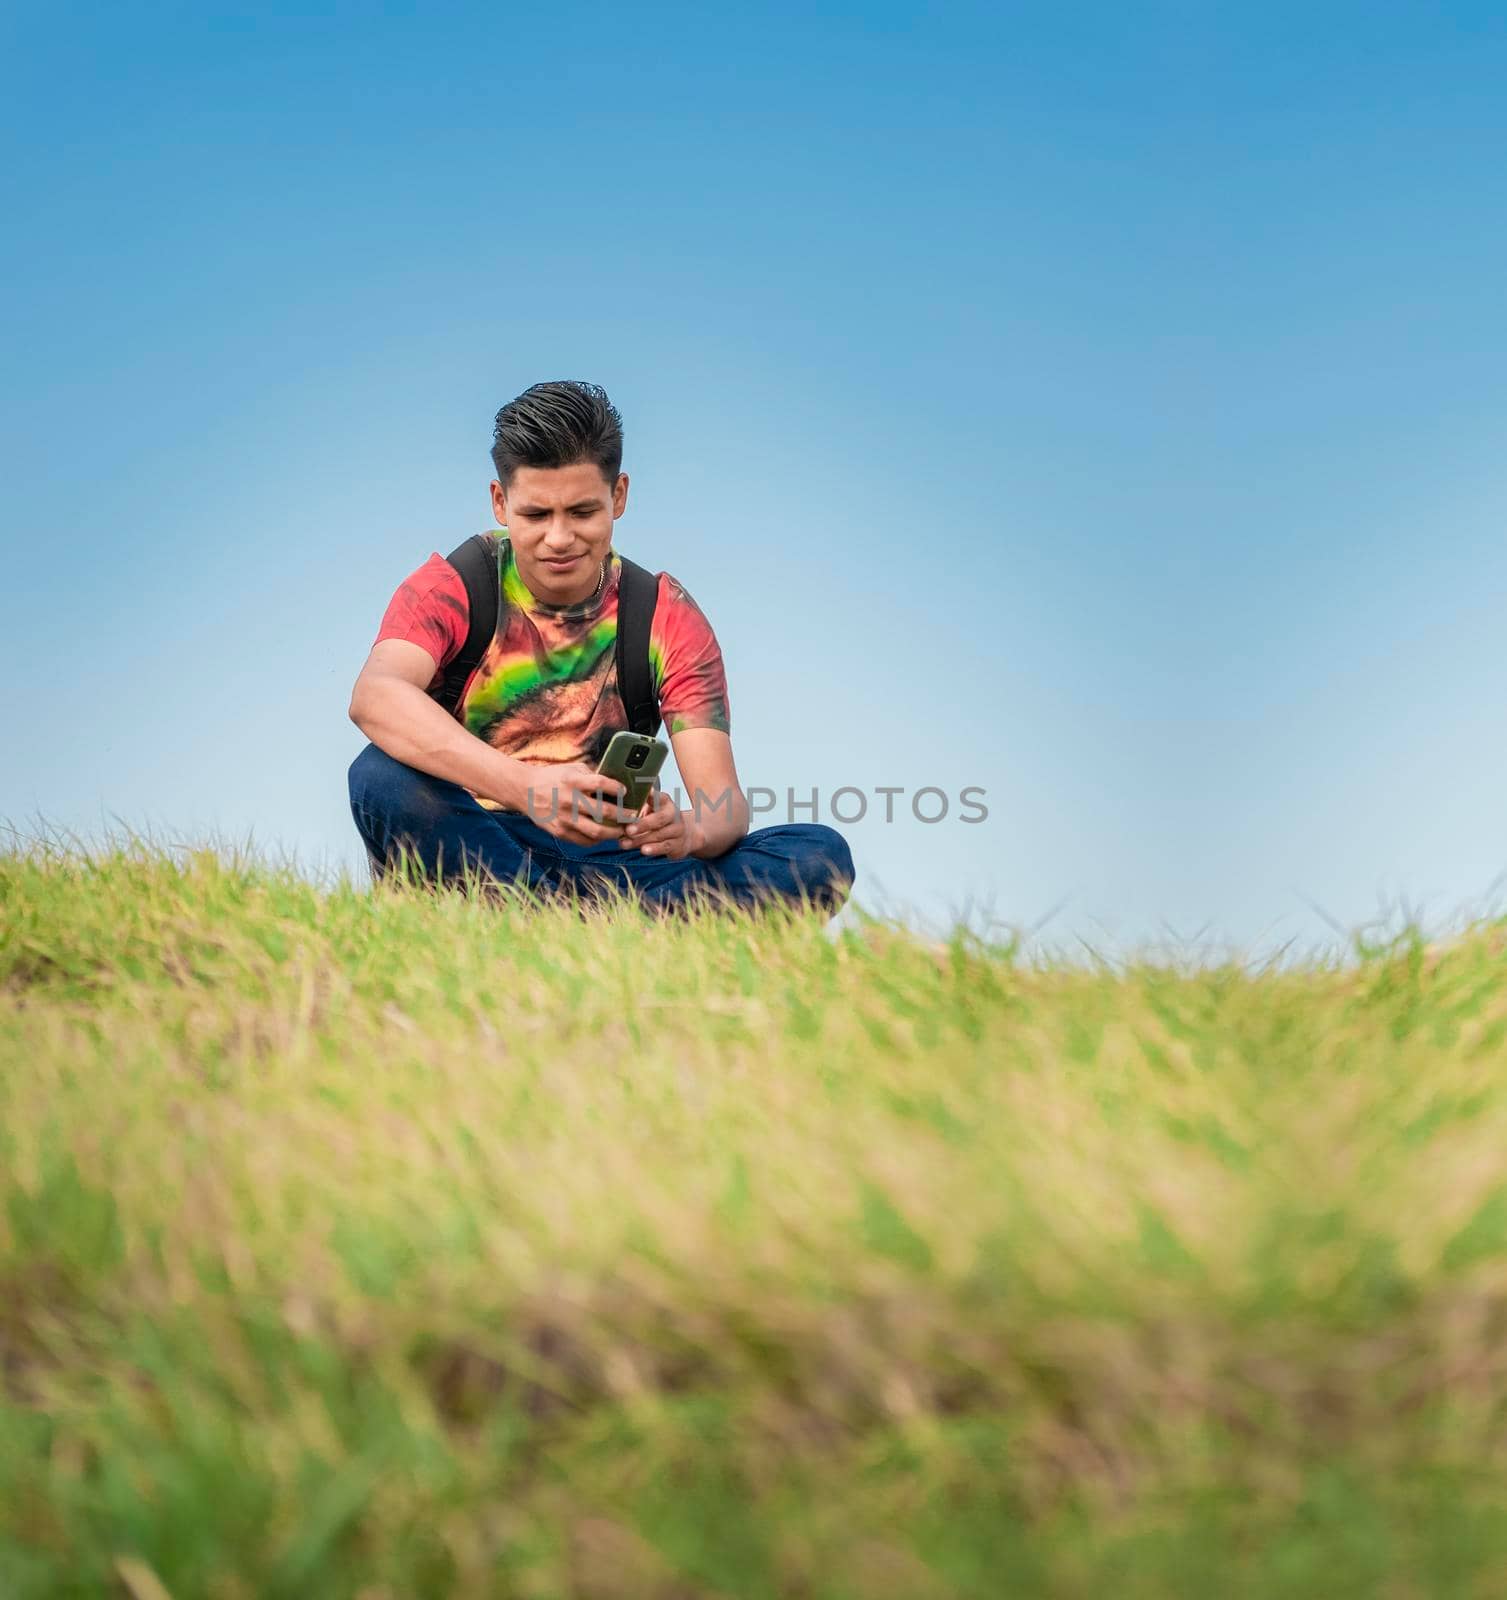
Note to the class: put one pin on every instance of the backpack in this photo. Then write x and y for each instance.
(638, 591)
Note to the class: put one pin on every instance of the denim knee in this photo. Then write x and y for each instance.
(371, 769)
(838, 855)
(822, 858)
(391, 800)
(382, 786)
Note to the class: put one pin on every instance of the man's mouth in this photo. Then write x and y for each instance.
(559, 563)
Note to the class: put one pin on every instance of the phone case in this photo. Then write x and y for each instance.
(640, 780)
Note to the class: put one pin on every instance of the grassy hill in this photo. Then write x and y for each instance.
(385, 1245)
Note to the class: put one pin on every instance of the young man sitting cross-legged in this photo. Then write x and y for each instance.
(484, 744)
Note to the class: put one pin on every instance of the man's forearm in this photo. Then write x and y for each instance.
(716, 822)
(403, 721)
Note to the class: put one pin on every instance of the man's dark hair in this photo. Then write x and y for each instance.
(558, 425)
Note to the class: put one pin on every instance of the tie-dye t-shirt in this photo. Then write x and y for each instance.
(546, 688)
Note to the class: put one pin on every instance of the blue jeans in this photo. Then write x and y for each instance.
(444, 829)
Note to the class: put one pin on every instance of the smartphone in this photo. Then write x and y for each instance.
(634, 758)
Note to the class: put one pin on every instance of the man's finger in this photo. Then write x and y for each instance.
(663, 816)
(598, 808)
(659, 805)
(650, 827)
(659, 840)
(582, 780)
(600, 784)
(572, 799)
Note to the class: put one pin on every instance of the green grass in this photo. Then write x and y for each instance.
(388, 1244)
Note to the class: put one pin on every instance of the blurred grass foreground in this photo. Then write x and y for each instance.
(385, 1244)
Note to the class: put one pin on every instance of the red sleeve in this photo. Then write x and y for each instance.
(687, 663)
(430, 609)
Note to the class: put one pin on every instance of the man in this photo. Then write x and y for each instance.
(505, 782)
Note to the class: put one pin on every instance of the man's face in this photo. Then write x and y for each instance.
(560, 522)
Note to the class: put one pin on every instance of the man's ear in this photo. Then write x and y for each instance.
(499, 504)
(619, 495)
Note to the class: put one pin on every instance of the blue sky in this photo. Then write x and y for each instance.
(1100, 405)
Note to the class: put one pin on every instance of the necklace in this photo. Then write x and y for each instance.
(601, 582)
(575, 606)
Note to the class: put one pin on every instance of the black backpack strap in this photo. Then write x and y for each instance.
(637, 595)
(476, 561)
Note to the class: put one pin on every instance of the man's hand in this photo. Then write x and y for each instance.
(661, 829)
(571, 801)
